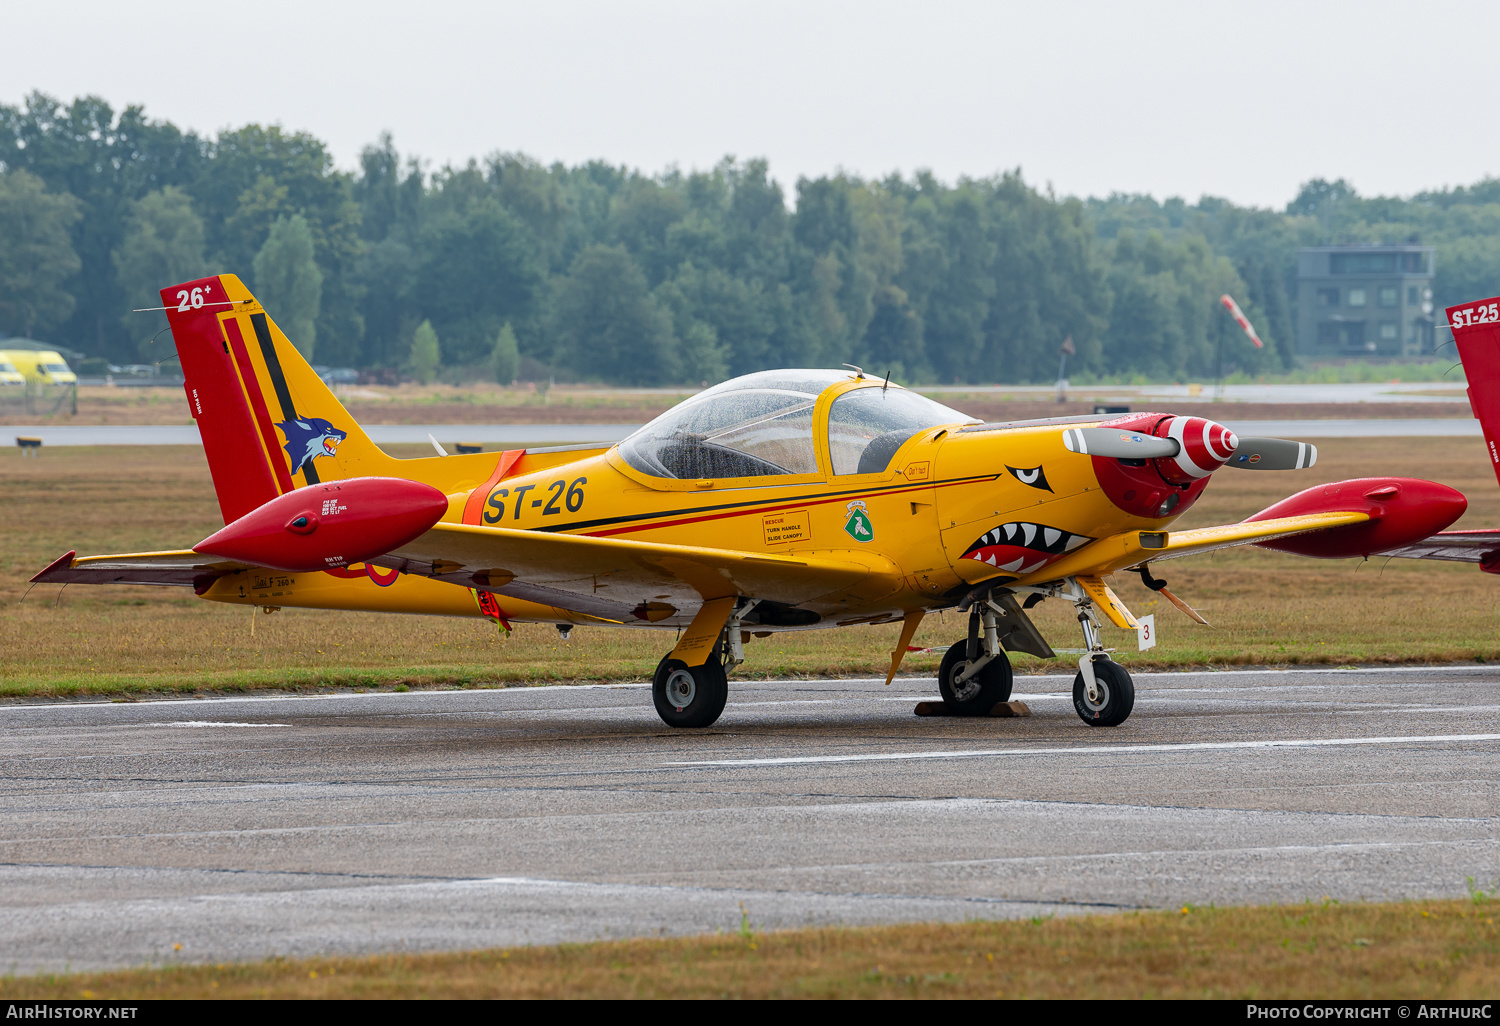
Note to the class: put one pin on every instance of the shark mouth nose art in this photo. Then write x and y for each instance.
(1020, 548)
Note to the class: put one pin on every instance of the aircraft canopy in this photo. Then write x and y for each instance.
(762, 425)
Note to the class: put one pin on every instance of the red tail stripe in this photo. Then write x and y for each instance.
(257, 404)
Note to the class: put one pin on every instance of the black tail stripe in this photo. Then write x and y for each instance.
(278, 382)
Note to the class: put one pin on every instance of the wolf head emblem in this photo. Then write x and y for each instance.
(308, 438)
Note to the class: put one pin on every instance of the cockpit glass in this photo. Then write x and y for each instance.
(867, 426)
(739, 432)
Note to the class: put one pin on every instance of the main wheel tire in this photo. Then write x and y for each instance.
(981, 692)
(689, 696)
(1116, 695)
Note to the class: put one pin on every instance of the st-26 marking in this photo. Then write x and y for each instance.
(573, 499)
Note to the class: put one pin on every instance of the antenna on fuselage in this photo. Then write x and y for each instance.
(887, 381)
(858, 371)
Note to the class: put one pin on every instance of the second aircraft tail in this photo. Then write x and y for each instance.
(1476, 330)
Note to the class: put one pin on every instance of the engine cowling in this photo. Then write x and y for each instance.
(327, 526)
(1164, 486)
(1402, 510)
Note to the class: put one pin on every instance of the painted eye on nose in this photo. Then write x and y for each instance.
(1032, 476)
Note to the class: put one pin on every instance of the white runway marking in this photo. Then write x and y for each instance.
(213, 723)
(1203, 746)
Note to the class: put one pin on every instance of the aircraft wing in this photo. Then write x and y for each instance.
(1122, 551)
(623, 581)
(1482, 547)
(181, 568)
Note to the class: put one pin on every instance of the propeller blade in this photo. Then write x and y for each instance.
(1117, 444)
(1273, 454)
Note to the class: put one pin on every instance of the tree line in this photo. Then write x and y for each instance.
(505, 267)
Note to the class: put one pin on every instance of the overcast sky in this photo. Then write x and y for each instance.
(1244, 101)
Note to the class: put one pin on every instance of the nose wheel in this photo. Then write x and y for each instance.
(1113, 695)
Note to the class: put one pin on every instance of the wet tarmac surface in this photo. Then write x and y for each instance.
(247, 827)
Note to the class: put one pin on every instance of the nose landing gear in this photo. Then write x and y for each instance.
(1103, 693)
(1112, 696)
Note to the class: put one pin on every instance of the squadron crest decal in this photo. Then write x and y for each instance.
(859, 526)
(308, 438)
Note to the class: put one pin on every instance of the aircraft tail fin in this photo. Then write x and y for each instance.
(1476, 330)
(269, 423)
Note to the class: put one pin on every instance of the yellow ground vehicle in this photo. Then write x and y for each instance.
(782, 500)
(40, 366)
(8, 373)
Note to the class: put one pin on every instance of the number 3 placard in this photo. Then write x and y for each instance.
(1146, 636)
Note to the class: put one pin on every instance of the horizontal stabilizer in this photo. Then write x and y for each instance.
(181, 568)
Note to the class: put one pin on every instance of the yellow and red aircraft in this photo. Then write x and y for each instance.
(783, 500)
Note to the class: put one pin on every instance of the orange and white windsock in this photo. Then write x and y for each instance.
(1240, 319)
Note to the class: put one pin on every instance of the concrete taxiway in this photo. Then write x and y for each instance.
(245, 827)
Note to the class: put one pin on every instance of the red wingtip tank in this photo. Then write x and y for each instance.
(326, 526)
(1402, 510)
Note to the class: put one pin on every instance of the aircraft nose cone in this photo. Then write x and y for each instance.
(1206, 446)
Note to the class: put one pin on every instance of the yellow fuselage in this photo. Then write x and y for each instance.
(956, 505)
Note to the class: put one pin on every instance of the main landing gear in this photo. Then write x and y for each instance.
(689, 696)
(975, 675)
(694, 696)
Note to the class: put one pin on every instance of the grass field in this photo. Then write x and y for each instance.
(1427, 949)
(1266, 607)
